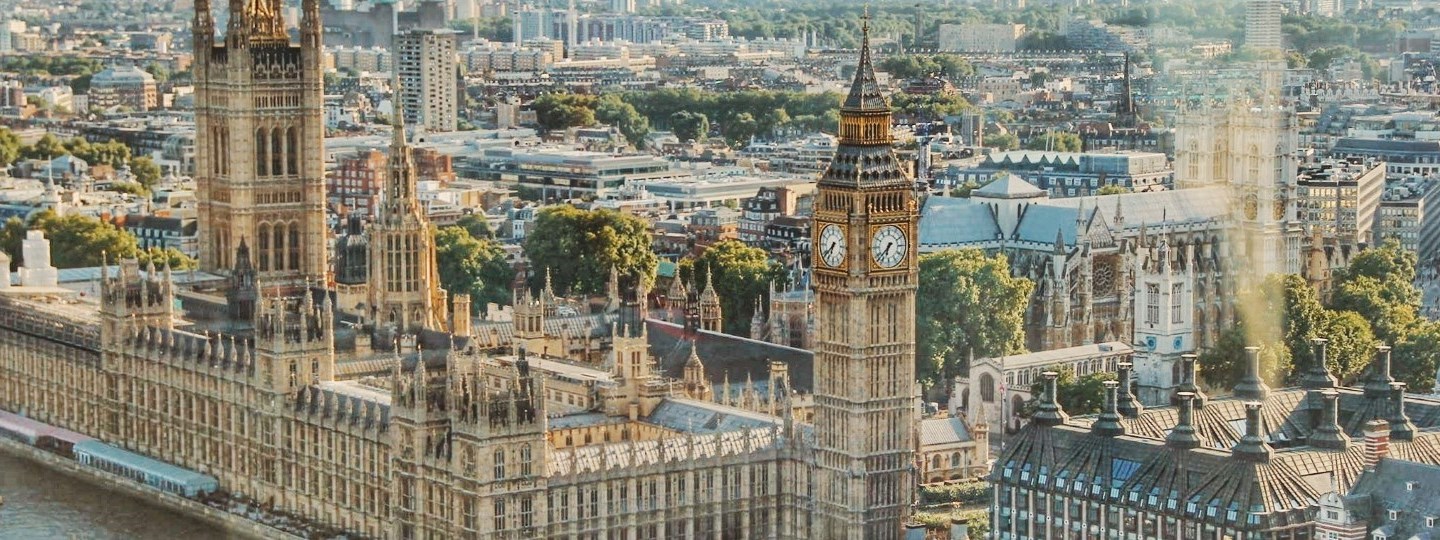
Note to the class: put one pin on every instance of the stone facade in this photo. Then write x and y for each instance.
(428, 428)
(259, 131)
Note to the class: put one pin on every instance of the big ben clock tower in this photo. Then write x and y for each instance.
(866, 272)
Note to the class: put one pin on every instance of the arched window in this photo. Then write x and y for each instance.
(263, 235)
(499, 464)
(935, 461)
(955, 459)
(279, 246)
(277, 151)
(262, 149)
(525, 460)
(294, 246)
(292, 151)
(987, 388)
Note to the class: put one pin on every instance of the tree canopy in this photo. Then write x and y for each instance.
(1058, 141)
(557, 111)
(1076, 395)
(741, 275)
(76, 241)
(970, 305)
(579, 247)
(473, 266)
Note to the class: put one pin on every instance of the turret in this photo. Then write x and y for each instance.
(710, 313)
(1377, 385)
(1108, 423)
(1251, 387)
(1318, 377)
(1252, 446)
(1327, 433)
(1128, 405)
(1187, 384)
(1049, 412)
(1183, 436)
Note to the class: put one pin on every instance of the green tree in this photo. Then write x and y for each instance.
(112, 152)
(1350, 349)
(48, 147)
(476, 225)
(579, 247)
(971, 306)
(614, 111)
(1076, 395)
(76, 241)
(1057, 141)
(1001, 141)
(562, 111)
(1374, 299)
(1112, 189)
(689, 126)
(9, 147)
(1224, 364)
(740, 273)
(473, 266)
(740, 129)
(1414, 360)
(146, 172)
(166, 257)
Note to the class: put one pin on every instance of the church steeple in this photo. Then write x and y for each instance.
(404, 282)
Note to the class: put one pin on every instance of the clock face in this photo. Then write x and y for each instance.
(1252, 206)
(832, 245)
(1279, 208)
(889, 246)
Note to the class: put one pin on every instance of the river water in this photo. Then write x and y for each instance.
(41, 503)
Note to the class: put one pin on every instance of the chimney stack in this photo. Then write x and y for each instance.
(1108, 424)
(1252, 387)
(1049, 412)
(1377, 385)
(1401, 428)
(1327, 433)
(1188, 376)
(1252, 446)
(1126, 402)
(1183, 436)
(1377, 442)
(1318, 377)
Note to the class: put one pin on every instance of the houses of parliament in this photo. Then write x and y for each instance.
(396, 415)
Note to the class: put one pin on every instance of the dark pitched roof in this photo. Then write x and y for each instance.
(726, 356)
(1406, 487)
(1207, 483)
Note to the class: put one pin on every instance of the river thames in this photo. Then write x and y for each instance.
(42, 503)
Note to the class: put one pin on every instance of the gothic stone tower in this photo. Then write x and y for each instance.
(259, 171)
(866, 272)
(404, 280)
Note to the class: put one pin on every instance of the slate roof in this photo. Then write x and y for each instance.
(949, 221)
(726, 356)
(692, 416)
(1406, 487)
(1040, 222)
(1153, 207)
(1008, 186)
(1209, 483)
(940, 431)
